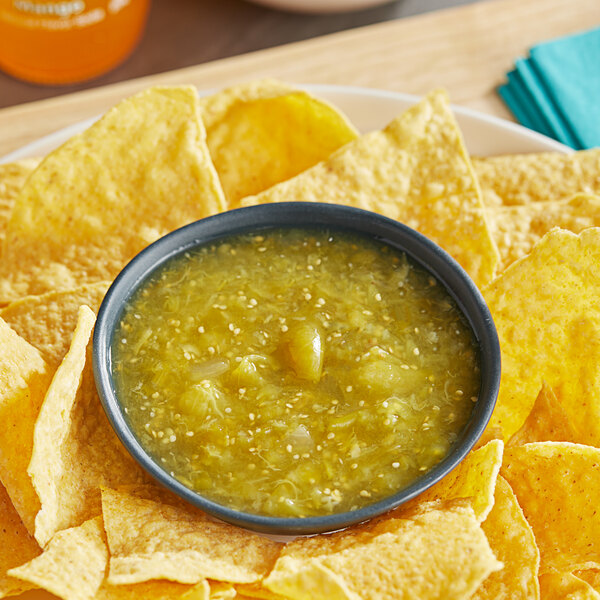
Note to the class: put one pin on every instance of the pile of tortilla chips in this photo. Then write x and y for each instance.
(518, 519)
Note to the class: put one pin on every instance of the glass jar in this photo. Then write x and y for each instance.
(68, 41)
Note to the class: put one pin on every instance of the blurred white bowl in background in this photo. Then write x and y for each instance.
(320, 6)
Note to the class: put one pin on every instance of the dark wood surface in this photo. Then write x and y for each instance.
(182, 33)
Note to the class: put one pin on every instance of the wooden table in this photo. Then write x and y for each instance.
(466, 49)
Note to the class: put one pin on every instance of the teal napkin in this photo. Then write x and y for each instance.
(556, 90)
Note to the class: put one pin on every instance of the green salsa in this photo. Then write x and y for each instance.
(295, 373)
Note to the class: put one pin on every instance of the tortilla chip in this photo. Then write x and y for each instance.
(416, 171)
(439, 553)
(547, 314)
(547, 422)
(12, 178)
(151, 540)
(566, 586)
(75, 450)
(48, 321)
(220, 591)
(73, 564)
(474, 478)
(544, 177)
(558, 485)
(108, 192)
(489, 434)
(311, 581)
(516, 229)
(591, 576)
(205, 590)
(513, 543)
(166, 590)
(262, 132)
(24, 379)
(260, 142)
(154, 590)
(155, 492)
(256, 590)
(215, 107)
(49, 432)
(17, 546)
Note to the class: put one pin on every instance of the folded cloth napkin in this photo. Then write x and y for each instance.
(556, 91)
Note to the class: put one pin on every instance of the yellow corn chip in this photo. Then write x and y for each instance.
(221, 591)
(547, 313)
(167, 590)
(310, 580)
(555, 484)
(200, 591)
(153, 491)
(48, 321)
(49, 432)
(489, 434)
(216, 106)
(151, 540)
(205, 590)
(17, 546)
(161, 590)
(154, 590)
(513, 543)
(516, 229)
(474, 478)
(138, 173)
(591, 576)
(566, 586)
(547, 422)
(416, 171)
(12, 178)
(164, 590)
(73, 564)
(260, 142)
(24, 379)
(75, 450)
(545, 177)
(256, 590)
(438, 553)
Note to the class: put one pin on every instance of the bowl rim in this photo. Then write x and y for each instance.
(307, 215)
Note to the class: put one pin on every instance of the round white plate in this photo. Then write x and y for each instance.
(368, 109)
(371, 109)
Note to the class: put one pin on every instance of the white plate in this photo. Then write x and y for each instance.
(372, 109)
(368, 109)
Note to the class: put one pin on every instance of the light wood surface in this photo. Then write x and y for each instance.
(466, 49)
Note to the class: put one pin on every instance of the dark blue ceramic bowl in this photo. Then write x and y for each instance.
(310, 215)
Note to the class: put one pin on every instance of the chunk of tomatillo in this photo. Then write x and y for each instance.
(305, 350)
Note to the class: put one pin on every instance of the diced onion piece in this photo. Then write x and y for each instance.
(209, 368)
